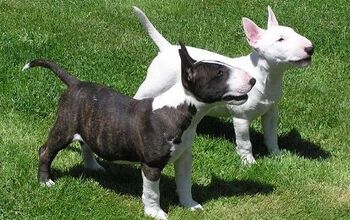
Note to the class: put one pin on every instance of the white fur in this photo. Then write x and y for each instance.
(161, 41)
(171, 98)
(183, 170)
(77, 137)
(267, 63)
(27, 66)
(150, 198)
(48, 183)
(186, 142)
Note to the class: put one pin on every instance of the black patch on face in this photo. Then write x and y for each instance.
(209, 81)
(206, 81)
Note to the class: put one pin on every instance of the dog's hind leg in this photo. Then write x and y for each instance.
(58, 139)
(89, 158)
(269, 122)
(183, 172)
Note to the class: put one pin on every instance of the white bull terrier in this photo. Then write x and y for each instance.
(274, 51)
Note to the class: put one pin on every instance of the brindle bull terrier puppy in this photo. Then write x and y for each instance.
(153, 132)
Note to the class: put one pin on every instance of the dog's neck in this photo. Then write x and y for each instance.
(269, 75)
(177, 96)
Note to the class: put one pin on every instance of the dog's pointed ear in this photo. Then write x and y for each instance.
(272, 20)
(252, 31)
(185, 56)
(186, 66)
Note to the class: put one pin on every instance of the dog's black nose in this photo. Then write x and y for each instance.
(252, 81)
(309, 50)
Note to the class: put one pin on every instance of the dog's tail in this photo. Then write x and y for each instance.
(157, 38)
(60, 72)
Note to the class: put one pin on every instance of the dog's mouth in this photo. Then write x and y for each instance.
(302, 62)
(235, 100)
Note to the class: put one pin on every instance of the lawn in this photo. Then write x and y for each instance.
(102, 41)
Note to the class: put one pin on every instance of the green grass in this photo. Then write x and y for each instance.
(102, 41)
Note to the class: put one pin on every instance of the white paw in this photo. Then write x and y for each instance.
(156, 213)
(248, 160)
(197, 207)
(192, 205)
(48, 183)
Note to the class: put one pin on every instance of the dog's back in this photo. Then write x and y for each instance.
(115, 126)
(105, 119)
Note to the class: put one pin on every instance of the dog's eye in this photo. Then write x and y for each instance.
(220, 73)
(280, 39)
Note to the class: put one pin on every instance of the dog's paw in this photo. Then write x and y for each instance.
(192, 205)
(248, 160)
(47, 183)
(276, 151)
(156, 213)
(197, 207)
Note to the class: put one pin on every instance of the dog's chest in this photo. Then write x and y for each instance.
(257, 104)
(174, 125)
(264, 106)
(176, 150)
(261, 103)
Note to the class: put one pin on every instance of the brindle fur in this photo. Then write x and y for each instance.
(115, 127)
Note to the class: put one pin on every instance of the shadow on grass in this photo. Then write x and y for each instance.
(126, 180)
(292, 141)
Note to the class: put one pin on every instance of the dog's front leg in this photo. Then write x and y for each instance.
(269, 123)
(183, 172)
(150, 192)
(244, 146)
